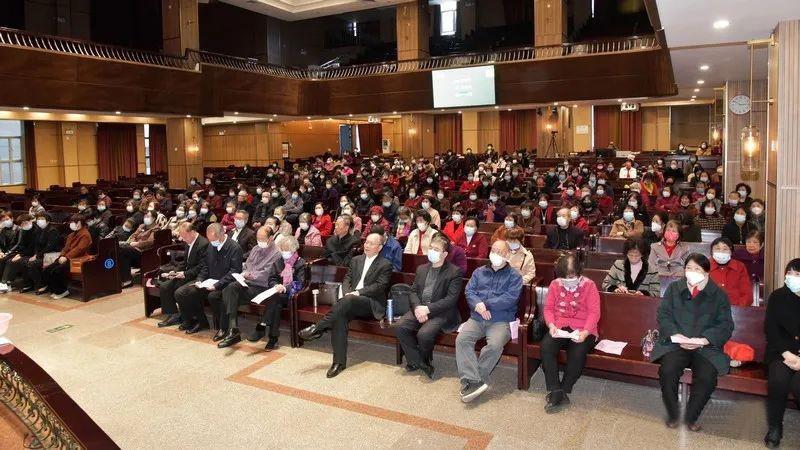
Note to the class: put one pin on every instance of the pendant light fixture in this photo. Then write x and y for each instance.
(751, 136)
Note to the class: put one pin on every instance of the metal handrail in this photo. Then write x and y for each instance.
(636, 43)
(21, 38)
(194, 59)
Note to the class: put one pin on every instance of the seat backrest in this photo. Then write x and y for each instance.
(626, 317)
(535, 241)
(310, 252)
(749, 328)
(411, 262)
(610, 245)
(598, 260)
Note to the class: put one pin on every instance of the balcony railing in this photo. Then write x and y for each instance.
(194, 60)
(19, 38)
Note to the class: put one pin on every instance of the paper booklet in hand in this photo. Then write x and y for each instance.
(205, 284)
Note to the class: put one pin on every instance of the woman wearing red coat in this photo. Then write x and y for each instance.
(545, 212)
(375, 218)
(667, 202)
(454, 229)
(475, 245)
(322, 221)
(729, 274)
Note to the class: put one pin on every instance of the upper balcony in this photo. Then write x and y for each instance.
(62, 73)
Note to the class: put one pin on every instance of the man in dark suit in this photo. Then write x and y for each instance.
(433, 309)
(242, 234)
(194, 262)
(364, 288)
(339, 247)
(223, 260)
(565, 236)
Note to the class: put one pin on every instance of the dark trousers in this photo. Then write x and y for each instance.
(576, 360)
(166, 292)
(226, 305)
(4, 261)
(56, 277)
(348, 308)
(704, 381)
(14, 269)
(34, 272)
(127, 257)
(272, 315)
(190, 299)
(417, 339)
(782, 380)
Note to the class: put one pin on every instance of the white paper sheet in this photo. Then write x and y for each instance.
(575, 334)
(240, 278)
(692, 341)
(611, 347)
(258, 299)
(514, 329)
(205, 284)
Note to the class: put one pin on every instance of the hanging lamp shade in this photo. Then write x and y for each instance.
(751, 149)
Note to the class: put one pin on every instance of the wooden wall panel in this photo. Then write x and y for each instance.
(549, 22)
(582, 117)
(655, 128)
(733, 128)
(488, 131)
(413, 25)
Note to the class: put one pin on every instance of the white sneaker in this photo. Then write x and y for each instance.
(127, 283)
(4, 288)
(61, 295)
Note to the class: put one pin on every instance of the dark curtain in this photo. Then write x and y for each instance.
(517, 130)
(116, 150)
(447, 132)
(513, 11)
(369, 136)
(606, 125)
(631, 130)
(158, 148)
(508, 131)
(30, 153)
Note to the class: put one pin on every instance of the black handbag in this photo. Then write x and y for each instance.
(399, 293)
(537, 329)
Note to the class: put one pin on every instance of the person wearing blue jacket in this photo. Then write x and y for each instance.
(492, 295)
(392, 250)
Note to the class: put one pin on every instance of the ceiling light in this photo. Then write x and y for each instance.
(188, 116)
(721, 24)
(694, 96)
(692, 100)
(270, 120)
(351, 114)
(496, 107)
(459, 112)
(236, 113)
(330, 118)
(441, 110)
(705, 67)
(701, 82)
(118, 112)
(574, 106)
(619, 100)
(509, 109)
(555, 103)
(26, 108)
(308, 117)
(235, 122)
(697, 89)
(394, 112)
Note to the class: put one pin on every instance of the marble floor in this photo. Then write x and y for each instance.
(154, 388)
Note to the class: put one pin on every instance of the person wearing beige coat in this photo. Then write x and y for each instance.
(520, 257)
(419, 240)
(628, 226)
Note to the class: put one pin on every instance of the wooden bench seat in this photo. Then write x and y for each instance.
(96, 275)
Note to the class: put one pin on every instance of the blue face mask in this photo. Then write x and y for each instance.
(216, 244)
(793, 283)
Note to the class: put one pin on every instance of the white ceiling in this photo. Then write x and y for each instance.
(693, 41)
(306, 9)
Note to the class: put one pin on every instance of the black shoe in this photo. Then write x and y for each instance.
(272, 344)
(412, 367)
(472, 390)
(428, 369)
(258, 334)
(233, 337)
(170, 321)
(773, 437)
(184, 326)
(310, 334)
(555, 401)
(41, 291)
(219, 335)
(26, 289)
(335, 369)
(197, 328)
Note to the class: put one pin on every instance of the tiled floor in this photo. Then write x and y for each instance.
(154, 388)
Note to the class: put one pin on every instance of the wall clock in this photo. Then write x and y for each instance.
(740, 104)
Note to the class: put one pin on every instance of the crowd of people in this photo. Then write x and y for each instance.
(368, 212)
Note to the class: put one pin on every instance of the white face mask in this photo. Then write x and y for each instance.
(129, 208)
(756, 210)
(239, 223)
(8, 223)
(73, 226)
(422, 226)
(203, 210)
(473, 197)
(303, 226)
(543, 204)
(655, 226)
(41, 223)
(525, 213)
(347, 211)
(493, 198)
(148, 221)
(375, 218)
(318, 211)
(286, 255)
(191, 213)
(710, 211)
(573, 214)
(434, 256)
(179, 213)
(211, 193)
(792, 282)
(743, 193)
(509, 223)
(667, 194)
(514, 246)
(739, 218)
(694, 278)
(497, 260)
(457, 218)
(721, 257)
(263, 244)
(230, 209)
(562, 221)
(470, 231)
(628, 216)
(127, 228)
(426, 205)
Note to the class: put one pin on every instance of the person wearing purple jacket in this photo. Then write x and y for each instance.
(256, 272)
(493, 296)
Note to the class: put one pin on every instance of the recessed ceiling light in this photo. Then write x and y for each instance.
(509, 109)
(692, 100)
(555, 103)
(721, 24)
(496, 107)
(697, 89)
(188, 116)
(574, 106)
(235, 122)
(701, 82)
(26, 108)
(351, 114)
(694, 96)
(118, 112)
(270, 119)
(705, 67)
(236, 113)
(308, 117)
(459, 112)
(394, 112)
(619, 100)
(330, 118)
(441, 110)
